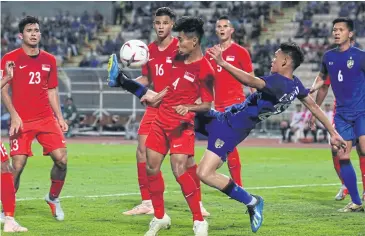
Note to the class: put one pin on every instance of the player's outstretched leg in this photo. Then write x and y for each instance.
(113, 72)
(58, 176)
(207, 173)
(342, 193)
(349, 176)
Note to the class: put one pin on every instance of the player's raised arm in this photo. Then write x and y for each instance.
(240, 75)
(9, 73)
(336, 139)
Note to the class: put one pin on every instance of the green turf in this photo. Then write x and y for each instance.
(103, 169)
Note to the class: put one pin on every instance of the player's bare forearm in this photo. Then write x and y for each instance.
(243, 77)
(152, 98)
(201, 107)
(7, 100)
(55, 102)
(5, 80)
(319, 114)
(318, 83)
(321, 94)
(252, 90)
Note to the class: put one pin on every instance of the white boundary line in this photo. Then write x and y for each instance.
(249, 188)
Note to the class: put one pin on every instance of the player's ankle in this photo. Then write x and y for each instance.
(252, 202)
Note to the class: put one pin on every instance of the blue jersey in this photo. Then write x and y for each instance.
(347, 74)
(277, 95)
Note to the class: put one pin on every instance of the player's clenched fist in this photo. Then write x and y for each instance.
(63, 125)
(216, 53)
(181, 110)
(9, 68)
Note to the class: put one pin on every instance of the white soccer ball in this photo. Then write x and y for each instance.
(134, 54)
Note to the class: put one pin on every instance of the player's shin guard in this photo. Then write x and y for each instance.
(188, 188)
(336, 164)
(349, 177)
(237, 193)
(362, 168)
(143, 181)
(194, 175)
(234, 166)
(156, 187)
(56, 187)
(8, 194)
(134, 87)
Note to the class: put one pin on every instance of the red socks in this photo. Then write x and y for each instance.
(189, 190)
(143, 181)
(56, 188)
(362, 168)
(336, 164)
(234, 166)
(8, 193)
(193, 174)
(156, 187)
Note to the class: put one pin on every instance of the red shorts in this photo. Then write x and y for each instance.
(48, 133)
(179, 140)
(147, 120)
(222, 106)
(4, 154)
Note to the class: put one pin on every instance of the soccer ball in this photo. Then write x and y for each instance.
(134, 54)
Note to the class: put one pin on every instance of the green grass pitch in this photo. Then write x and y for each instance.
(300, 202)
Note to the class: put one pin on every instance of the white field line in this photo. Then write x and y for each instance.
(131, 194)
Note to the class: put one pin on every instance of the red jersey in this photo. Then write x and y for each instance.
(33, 76)
(188, 82)
(227, 89)
(159, 65)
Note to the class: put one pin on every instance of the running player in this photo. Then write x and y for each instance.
(33, 105)
(345, 66)
(227, 90)
(7, 181)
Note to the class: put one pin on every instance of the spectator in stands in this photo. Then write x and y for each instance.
(315, 31)
(306, 118)
(297, 121)
(298, 15)
(118, 15)
(70, 115)
(99, 20)
(324, 32)
(85, 62)
(109, 46)
(329, 113)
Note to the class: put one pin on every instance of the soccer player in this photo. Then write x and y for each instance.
(155, 73)
(33, 106)
(227, 129)
(173, 129)
(227, 90)
(345, 66)
(7, 181)
(321, 95)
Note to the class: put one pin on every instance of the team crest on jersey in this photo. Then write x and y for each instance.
(230, 58)
(168, 60)
(46, 67)
(350, 63)
(219, 143)
(189, 76)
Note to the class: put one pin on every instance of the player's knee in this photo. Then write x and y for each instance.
(152, 170)
(203, 174)
(61, 161)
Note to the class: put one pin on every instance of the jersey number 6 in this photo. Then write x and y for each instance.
(340, 76)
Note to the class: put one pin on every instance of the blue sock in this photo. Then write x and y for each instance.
(134, 87)
(349, 178)
(237, 193)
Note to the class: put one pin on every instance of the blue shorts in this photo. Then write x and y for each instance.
(350, 125)
(223, 137)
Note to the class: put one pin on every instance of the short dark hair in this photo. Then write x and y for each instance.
(348, 21)
(224, 17)
(190, 24)
(293, 50)
(166, 11)
(27, 20)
